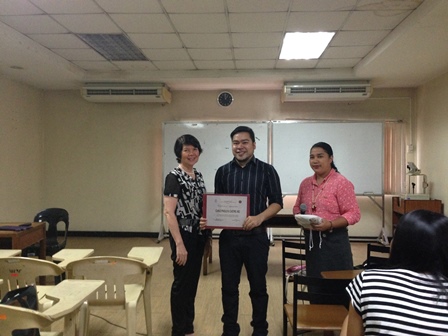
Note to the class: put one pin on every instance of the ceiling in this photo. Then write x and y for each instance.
(223, 44)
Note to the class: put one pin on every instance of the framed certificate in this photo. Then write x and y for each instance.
(226, 211)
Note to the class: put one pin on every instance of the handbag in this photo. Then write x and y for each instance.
(25, 297)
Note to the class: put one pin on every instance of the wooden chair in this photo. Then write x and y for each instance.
(293, 261)
(374, 258)
(124, 285)
(321, 306)
(18, 318)
(19, 272)
(293, 256)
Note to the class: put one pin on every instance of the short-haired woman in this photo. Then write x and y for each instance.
(183, 192)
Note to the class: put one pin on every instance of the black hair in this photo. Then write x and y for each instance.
(420, 243)
(186, 139)
(241, 129)
(327, 149)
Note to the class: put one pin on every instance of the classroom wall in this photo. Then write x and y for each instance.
(21, 151)
(432, 135)
(104, 161)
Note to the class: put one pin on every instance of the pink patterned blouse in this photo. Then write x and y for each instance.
(333, 198)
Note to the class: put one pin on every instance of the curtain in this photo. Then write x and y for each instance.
(394, 158)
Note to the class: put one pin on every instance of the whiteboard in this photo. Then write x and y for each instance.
(215, 142)
(357, 152)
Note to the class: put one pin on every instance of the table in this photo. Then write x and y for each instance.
(149, 256)
(10, 253)
(344, 274)
(402, 206)
(65, 256)
(25, 238)
(282, 221)
(70, 295)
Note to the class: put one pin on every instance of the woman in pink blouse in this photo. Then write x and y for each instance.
(330, 196)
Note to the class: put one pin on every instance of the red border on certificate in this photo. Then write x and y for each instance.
(226, 211)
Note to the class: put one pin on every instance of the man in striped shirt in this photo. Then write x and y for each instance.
(249, 247)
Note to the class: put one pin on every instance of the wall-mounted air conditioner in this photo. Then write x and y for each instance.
(126, 93)
(321, 91)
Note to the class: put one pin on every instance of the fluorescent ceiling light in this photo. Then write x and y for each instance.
(305, 45)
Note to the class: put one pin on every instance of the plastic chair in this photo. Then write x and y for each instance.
(124, 284)
(18, 318)
(19, 272)
(327, 306)
(53, 217)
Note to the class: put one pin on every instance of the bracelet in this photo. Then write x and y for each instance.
(331, 227)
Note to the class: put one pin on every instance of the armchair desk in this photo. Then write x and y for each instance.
(69, 296)
(65, 256)
(9, 253)
(149, 256)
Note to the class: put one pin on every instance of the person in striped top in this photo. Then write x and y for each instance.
(410, 297)
(245, 174)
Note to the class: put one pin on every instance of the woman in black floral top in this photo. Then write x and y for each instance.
(184, 188)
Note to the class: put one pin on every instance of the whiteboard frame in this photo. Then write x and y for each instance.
(365, 169)
(265, 154)
(216, 144)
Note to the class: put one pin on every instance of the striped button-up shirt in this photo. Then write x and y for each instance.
(258, 179)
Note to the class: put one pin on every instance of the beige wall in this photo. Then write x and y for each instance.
(103, 162)
(432, 135)
(21, 151)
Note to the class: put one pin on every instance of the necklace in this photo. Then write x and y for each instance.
(314, 199)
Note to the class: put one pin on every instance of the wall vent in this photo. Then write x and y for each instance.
(321, 91)
(126, 93)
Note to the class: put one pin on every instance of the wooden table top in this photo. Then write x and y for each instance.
(344, 274)
(8, 233)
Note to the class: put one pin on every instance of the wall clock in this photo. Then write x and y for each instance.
(225, 98)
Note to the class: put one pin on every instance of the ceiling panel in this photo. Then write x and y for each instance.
(143, 23)
(199, 23)
(316, 21)
(202, 44)
(130, 6)
(68, 6)
(218, 40)
(33, 24)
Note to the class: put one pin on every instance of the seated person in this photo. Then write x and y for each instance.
(411, 296)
